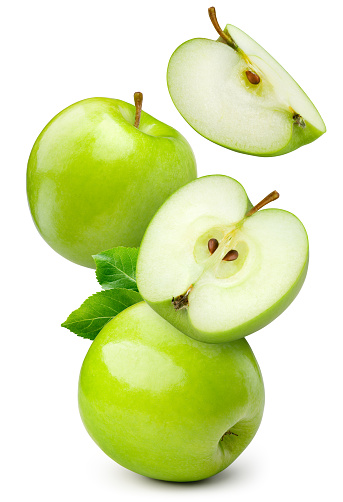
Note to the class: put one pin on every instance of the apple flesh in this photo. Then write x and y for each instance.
(234, 93)
(202, 294)
(164, 405)
(94, 180)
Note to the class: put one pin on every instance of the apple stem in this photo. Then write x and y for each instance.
(272, 196)
(138, 97)
(228, 39)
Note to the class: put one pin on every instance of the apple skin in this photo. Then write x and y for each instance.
(158, 402)
(181, 321)
(94, 181)
(299, 138)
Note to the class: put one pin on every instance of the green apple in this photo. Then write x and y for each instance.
(96, 176)
(234, 93)
(164, 405)
(217, 268)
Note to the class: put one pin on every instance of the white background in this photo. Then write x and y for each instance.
(56, 53)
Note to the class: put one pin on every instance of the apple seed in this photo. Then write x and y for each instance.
(212, 245)
(232, 255)
(252, 77)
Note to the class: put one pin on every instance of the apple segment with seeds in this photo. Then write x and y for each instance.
(234, 93)
(218, 268)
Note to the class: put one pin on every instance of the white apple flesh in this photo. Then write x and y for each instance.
(204, 296)
(263, 112)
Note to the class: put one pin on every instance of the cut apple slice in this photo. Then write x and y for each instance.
(234, 93)
(216, 268)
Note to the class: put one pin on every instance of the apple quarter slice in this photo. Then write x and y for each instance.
(202, 294)
(235, 94)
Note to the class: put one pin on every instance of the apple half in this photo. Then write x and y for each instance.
(232, 92)
(221, 292)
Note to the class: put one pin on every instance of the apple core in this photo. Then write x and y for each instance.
(229, 239)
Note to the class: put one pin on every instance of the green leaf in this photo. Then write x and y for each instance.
(98, 310)
(116, 268)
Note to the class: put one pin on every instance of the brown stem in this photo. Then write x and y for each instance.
(228, 39)
(138, 97)
(272, 196)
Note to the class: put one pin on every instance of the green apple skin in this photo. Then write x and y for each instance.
(159, 403)
(181, 321)
(94, 181)
(299, 138)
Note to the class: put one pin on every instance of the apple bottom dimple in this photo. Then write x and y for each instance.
(164, 405)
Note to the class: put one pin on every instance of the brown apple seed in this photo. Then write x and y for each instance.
(252, 77)
(212, 245)
(231, 255)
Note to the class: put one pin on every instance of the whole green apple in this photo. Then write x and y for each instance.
(96, 176)
(165, 405)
